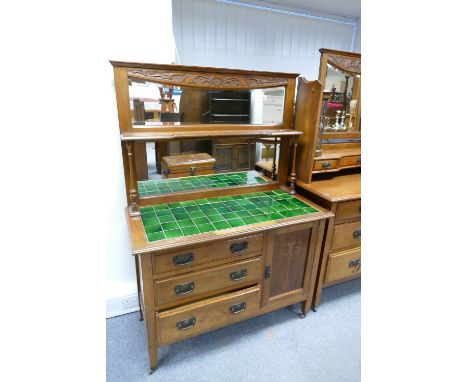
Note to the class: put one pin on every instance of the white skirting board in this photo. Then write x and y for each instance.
(122, 305)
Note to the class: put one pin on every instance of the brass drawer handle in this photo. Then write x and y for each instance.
(186, 324)
(238, 275)
(192, 171)
(354, 263)
(326, 164)
(182, 289)
(180, 260)
(237, 308)
(357, 234)
(239, 247)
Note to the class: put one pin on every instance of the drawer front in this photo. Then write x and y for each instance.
(193, 319)
(188, 287)
(354, 160)
(230, 250)
(348, 211)
(346, 236)
(320, 165)
(343, 264)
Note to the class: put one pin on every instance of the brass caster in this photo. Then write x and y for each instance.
(302, 315)
(141, 319)
(314, 309)
(151, 371)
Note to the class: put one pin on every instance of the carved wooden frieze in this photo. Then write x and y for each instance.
(347, 64)
(206, 80)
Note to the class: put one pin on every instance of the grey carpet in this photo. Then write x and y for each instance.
(275, 347)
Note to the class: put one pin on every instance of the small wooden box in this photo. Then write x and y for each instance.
(177, 166)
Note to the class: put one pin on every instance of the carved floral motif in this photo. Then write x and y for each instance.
(348, 64)
(288, 250)
(218, 80)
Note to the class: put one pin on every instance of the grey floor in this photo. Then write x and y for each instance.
(275, 347)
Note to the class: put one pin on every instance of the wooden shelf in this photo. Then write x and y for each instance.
(171, 135)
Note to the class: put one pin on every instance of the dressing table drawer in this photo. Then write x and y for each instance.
(189, 287)
(230, 250)
(346, 236)
(342, 265)
(193, 319)
(348, 211)
(354, 160)
(326, 164)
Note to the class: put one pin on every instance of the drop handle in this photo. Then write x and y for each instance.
(182, 289)
(357, 234)
(186, 324)
(181, 260)
(239, 247)
(237, 308)
(238, 275)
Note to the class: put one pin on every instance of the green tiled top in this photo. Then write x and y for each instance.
(167, 221)
(189, 183)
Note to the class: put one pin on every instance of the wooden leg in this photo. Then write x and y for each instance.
(150, 313)
(305, 308)
(137, 270)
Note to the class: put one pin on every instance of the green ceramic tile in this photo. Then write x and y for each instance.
(287, 214)
(173, 233)
(243, 214)
(275, 215)
(151, 221)
(197, 214)
(229, 215)
(206, 227)
(155, 236)
(221, 225)
(169, 226)
(160, 207)
(166, 219)
(201, 220)
(255, 211)
(190, 230)
(192, 209)
(153, 228)
(163, 213)
(185, 222)
(249, 220)
(236, 222)
(262, 218)
(182, 216)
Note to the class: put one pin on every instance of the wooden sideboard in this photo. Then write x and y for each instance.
(213, 250)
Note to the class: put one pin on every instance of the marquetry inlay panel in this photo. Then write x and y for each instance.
(289, 259)
(206, 80)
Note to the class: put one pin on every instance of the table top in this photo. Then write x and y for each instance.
(168, 221)
(337, 189)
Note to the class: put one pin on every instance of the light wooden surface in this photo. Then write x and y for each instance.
(337, 189)
(342, 265)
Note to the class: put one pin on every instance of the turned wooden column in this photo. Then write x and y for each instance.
(133, 189)
(273, 166)
(292, 185)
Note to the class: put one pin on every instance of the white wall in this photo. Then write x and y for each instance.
(154, 43)
(213, 33)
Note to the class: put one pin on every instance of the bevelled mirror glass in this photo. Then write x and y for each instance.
(159, 105)
(340, 111)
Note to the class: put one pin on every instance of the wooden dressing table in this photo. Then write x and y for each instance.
(216, 249)
(329, 161)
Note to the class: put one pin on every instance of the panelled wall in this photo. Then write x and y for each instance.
(224, 34)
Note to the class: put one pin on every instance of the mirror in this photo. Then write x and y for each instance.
(159, 105)
(193, 165)
(341, 98)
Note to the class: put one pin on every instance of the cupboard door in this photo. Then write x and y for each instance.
(288, 267)
(242, 156)
(224, 157)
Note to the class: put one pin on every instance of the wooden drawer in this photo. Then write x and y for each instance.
(354, 160)
(348, 211)
(193, 319)
(326, 164)
(343, 265)
(188, 287)
(346, 236)
(230, 250)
